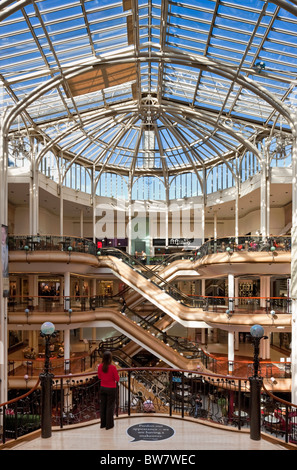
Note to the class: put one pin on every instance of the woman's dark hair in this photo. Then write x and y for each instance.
(106, 360)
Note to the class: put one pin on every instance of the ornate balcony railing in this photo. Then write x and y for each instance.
(58, 303)
(229, 245)
(30, 243)
(222, 400)
(84, 245)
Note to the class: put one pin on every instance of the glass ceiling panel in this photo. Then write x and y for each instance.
(168, 48)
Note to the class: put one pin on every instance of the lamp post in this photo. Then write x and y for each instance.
(257, 333)
(47, 331)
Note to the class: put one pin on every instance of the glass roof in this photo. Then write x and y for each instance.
(148, 87)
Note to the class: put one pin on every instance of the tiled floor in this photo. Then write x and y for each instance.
(182, 435)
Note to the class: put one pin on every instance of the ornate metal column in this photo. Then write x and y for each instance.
(47, 332)
(257, 333)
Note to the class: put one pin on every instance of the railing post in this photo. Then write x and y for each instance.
(287, 424)
(16, 420)
(255, 408)
(46, 404)
(129, 393)
(239, 405)
(170, 393)
(62, 402)
(3, 424)
(183, 395)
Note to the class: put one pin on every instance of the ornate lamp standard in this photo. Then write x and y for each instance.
(47, 331)
(257, 333)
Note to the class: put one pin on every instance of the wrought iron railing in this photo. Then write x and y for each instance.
(58, 303)
(212, 398)
(21, 414)
(29, 243)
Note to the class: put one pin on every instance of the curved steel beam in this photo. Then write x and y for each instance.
(291, 7)
(173, 109)
(177, 58)
(6, 9)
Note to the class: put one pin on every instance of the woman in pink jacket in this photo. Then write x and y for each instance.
(108, 375)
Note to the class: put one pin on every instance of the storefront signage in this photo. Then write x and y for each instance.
(177, 242)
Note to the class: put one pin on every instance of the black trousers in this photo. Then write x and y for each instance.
(107, 406)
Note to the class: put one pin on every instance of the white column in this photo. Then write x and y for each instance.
(264, 290)
(231, 291)
(268, 290)
(236, 215)
(268, 177)
(203, 287)
(93, 203)
(66, 290)
(130, 217)
(3, 281)
(236, 291)
(215, 225)
(67, 348)
(166, 215)
(230, 350)
(293, 286)
(81, 223)
(34, 200)
(203, 205)
(203, 290)
(61, 212)
(203, 336)
(264, 208)
(33, 288)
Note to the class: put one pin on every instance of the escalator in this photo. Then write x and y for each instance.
(153, 324)
(150, 274)
(184, 309)
(112, 317)
(152, 287)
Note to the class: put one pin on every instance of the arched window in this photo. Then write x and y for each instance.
(112, 185)
(249, 166)
(219, 177)
(48, 166)
(184, 185)
(148, 188)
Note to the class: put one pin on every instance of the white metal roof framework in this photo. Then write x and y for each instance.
(142, 87)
